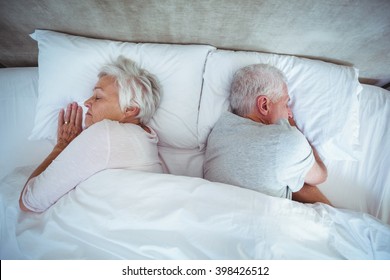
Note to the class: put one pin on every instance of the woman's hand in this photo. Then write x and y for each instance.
(69, 125)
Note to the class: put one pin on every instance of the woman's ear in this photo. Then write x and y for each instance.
(262, 104)
(132, 111)
(130, 114)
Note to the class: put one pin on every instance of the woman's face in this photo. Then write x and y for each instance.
(104, 103)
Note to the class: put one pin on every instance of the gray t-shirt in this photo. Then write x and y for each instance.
(272, 159)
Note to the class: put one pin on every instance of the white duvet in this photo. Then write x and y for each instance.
(122, 214)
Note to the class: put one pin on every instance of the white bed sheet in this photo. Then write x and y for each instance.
(18, 98)
(121, 214)
(364, 185)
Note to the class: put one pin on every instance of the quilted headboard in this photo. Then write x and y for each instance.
(347, 32)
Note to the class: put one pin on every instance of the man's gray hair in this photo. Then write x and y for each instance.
(137, 87)
(252, 81)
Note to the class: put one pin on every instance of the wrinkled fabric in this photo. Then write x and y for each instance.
(123, 214)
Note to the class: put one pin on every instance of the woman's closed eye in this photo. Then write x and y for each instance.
(97, 96)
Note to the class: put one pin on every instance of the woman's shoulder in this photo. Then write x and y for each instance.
(107, 125)
(89, 135)
(97, 128)
(118, 128)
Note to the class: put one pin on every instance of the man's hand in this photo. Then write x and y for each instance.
(292, 122)
(310, 194)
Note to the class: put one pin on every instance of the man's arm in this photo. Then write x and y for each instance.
(318, 173)
(310, 194)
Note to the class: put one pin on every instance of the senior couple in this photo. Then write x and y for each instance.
(257, 146)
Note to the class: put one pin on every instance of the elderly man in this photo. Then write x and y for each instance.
(257, 147)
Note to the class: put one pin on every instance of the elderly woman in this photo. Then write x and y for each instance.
(123, 101)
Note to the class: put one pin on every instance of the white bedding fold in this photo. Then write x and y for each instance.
(121, 214)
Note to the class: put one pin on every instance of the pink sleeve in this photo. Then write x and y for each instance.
(85, 155)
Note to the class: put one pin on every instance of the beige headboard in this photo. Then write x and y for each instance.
(348, 32)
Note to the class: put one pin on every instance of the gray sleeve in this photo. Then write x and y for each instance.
(296, 159)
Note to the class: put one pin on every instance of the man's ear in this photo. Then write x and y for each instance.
(262, 104)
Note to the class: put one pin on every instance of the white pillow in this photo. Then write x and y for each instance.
(68, 68)
(324, 98)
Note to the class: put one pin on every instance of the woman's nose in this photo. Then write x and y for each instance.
(87, 103)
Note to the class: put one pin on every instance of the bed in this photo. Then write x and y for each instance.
(124, 214)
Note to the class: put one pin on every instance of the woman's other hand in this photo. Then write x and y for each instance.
(69, 125)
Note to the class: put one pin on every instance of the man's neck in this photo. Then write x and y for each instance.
(256, 118)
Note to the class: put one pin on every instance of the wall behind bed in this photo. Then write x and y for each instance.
(347, 32)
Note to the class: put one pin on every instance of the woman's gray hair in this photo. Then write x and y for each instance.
(252, 81)
(137, 87)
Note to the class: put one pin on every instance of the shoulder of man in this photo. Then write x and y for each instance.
(291, 135)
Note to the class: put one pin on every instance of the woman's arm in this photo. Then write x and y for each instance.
(69, 127)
